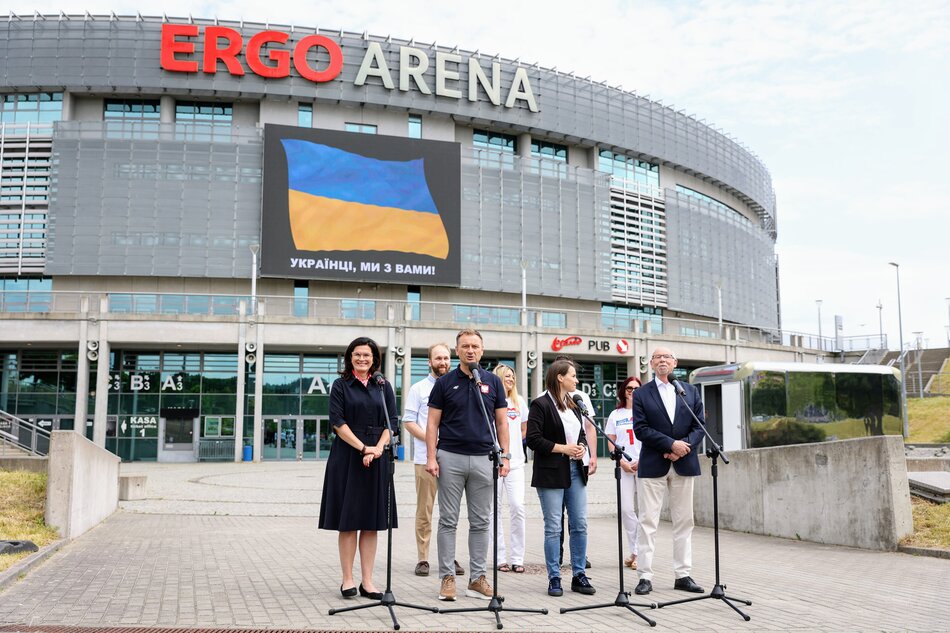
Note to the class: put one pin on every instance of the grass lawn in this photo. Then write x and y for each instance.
(929, 420)
(931, 524)
(23, 499)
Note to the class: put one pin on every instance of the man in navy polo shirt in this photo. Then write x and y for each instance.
(459, 443)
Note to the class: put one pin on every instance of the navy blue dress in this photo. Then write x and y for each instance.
(354, 497)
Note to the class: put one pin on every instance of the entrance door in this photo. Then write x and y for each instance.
(177, 439)
(287, 439)
(308, 438)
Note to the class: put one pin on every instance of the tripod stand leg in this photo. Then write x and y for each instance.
(728, 601)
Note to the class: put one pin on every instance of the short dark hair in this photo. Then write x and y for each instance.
(558, 368)
(348, 355)
(468, 332)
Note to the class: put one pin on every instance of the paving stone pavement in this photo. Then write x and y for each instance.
(236, 546)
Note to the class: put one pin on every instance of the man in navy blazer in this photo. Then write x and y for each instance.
(669, 436)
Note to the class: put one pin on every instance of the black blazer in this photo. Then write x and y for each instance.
(545, 429)
(656, 431)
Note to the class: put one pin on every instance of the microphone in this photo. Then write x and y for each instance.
(473, 367)
(579, 401)
(678, 387)
(379, 379)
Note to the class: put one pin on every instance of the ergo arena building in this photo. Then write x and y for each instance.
(197, 216)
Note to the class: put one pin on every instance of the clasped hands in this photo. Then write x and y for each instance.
(679, 449)
(370, 453)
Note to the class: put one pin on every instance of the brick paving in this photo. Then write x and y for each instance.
(236, 546)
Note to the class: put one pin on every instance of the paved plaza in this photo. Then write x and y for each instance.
(236, 546)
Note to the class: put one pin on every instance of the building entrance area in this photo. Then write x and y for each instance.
(296, 438)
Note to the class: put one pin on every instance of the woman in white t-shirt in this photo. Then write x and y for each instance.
(512, 485)
(619, 429)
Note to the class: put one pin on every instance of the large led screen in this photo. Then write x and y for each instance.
(360, 207)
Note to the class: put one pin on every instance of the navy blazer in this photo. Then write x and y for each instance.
(656, 431)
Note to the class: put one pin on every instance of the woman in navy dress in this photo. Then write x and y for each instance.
(357, 476)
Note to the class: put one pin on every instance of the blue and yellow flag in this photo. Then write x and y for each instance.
(340, 201)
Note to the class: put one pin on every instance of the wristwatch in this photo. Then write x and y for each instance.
(505, 456)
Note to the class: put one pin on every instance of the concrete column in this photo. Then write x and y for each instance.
(102, 387)
(521, 366)
(524, 145)
(82, 371)
(167, 109)
(633, 363)
(405, 438)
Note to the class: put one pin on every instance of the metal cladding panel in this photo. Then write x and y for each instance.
(159, 206)
(706, 247)
(557, 226)
(122, 56)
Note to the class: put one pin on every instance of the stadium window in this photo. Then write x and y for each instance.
(132, 118)
(203, 121)
(551, 151)
(493, 149)
(414, 299)
(37, 107)
(415, 126)
(301, 297)
(360, 128)
(304, 115)
(629, 169)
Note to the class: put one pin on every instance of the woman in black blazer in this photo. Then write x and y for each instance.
(556, 435)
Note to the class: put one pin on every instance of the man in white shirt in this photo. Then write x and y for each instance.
(416, 418)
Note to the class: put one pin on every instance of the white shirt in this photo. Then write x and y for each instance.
(417, 411)
(517, 413)
(620, 423)
(668, 395)
(572, 427)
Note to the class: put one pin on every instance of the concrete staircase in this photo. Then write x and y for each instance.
(930, 362)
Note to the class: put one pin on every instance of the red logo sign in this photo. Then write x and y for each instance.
(560, 343)
(623, 346)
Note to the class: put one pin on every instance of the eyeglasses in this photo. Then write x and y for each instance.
(362, 355)
(630, 388)
(662, 357)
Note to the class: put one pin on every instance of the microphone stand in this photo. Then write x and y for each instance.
(388, 600)
(719, 590)
(496, 605)
(623, 597)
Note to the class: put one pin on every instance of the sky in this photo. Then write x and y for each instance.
(846, 103)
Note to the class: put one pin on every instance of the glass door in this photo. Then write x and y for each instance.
(287, 439)
(326, 438)
(270, 439)
(308, 437)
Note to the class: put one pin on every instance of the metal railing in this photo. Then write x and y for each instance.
(18, 436)
(216, 449)
(406, 313)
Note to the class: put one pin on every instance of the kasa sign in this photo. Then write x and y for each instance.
(319, 59)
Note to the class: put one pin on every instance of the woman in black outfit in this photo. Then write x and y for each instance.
(556, 435)
(357, 476)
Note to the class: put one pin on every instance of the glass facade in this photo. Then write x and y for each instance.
(132, 118)
(632, 171)
(36, 107)
(801, 406)
(25, 295)
(621, 318)
(415, 126)
(721, 207)
(493, 149)
(203, 121)
(305, 115)
(360, 128)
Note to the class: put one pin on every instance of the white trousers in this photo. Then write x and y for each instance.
(512, 487)
(628, 509)
(651, 492)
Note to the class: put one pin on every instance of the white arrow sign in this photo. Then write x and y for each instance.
(123, 427)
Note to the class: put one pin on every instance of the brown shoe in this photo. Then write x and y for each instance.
(458, 569)
(479, 588)
(422, 568)
(447, 592)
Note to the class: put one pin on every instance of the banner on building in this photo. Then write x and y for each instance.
(360, 207)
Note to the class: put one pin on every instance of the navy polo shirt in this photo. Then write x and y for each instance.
(463, 428)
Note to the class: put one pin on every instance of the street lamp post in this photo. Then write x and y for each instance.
(820, 344)
(900, 332)
(920, 374)
(255, 248)
(880, 324)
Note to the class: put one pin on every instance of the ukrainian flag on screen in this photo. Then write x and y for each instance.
(340, 201)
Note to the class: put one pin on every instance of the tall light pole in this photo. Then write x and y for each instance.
(920, 375)
(900, 332)
(255, 248)
(820, 344)
(880, 324)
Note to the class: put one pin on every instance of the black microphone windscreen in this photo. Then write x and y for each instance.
(579, 401)
(678, 387)
(379, 379)
(473, 367)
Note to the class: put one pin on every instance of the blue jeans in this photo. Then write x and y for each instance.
(575, 500)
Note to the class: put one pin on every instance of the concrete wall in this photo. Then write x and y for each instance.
(848, 492)
(83, 484)
(30, 464)
(927, 464)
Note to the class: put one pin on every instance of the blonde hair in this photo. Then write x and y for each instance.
(501, 370)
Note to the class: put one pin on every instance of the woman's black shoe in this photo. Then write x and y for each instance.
(348, 593)
(372, 595)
